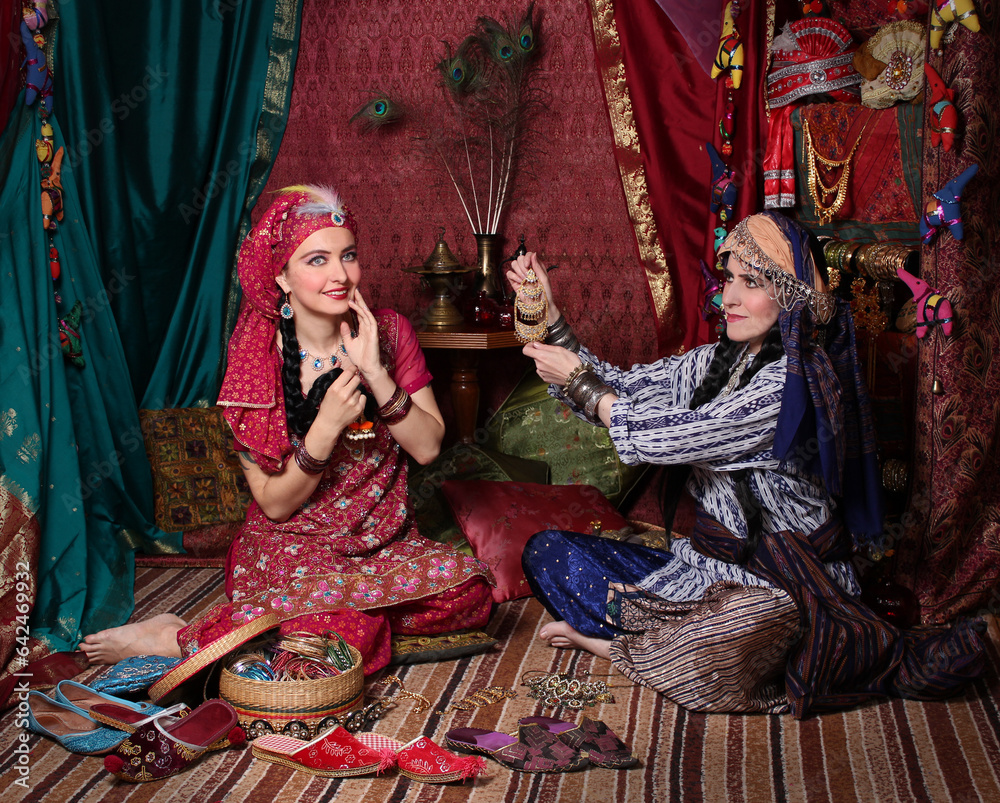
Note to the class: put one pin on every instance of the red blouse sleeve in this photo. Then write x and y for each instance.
(410, 369)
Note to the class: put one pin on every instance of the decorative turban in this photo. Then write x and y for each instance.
(251, 390)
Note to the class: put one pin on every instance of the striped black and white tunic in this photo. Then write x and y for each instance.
(651, 423)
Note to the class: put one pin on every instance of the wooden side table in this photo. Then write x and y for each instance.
(464, 344)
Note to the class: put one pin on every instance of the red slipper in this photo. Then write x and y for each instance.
(334, 754)
(592, 738)
(423, 760)
(169, 744)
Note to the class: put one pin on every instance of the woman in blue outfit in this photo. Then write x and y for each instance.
(758, 610)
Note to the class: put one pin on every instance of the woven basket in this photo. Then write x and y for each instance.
(293, 707)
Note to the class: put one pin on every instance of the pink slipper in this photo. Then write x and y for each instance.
(423, 760)
(592, 738)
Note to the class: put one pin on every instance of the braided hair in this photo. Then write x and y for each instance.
(300, 410)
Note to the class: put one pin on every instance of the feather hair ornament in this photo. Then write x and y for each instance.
(324, 200)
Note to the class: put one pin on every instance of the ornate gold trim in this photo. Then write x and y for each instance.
(270, 131)
(627, 154)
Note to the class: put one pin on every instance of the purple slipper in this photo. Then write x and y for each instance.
(592, 738)
(532, 750)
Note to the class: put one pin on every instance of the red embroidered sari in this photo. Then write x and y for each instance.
(351, 558)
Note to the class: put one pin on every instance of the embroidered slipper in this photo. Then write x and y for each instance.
(334, 754)
(423, 760)
(130, 720)
(592, 738)
(532, 750)
(170, 744)
(70, 727)
(85, 699)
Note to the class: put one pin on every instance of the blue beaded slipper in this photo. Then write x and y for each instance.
(64, 723)
(89, 702)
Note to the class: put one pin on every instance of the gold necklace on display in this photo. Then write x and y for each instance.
(818, 191)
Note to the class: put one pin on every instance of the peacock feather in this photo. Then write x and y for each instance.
(484, 135)
(378, 112)
(460, 73)
(526, 32)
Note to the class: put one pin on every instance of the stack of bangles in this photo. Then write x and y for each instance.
(586, 390)
(559, 334)
(308, 463)
(397, 408)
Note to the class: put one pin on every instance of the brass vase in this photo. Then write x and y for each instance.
(487, 268)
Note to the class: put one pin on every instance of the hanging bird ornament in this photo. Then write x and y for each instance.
(946, 12)
(944, 113)
(944, 210)
(933, 309)
(729, 57)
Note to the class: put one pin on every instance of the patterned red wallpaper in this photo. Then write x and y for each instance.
(570, 207)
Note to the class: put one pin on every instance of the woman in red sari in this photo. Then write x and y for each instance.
(323, 396)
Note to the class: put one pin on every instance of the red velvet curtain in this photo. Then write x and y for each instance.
(11, 55)
(676, 108)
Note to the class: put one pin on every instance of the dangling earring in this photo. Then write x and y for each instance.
(530, 310)
(286, 309)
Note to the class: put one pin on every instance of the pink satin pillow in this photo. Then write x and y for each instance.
(498, 518)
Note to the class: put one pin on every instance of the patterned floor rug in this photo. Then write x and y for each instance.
(888, 751)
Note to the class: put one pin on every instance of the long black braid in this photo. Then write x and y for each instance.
(299, 410)
(720, 369)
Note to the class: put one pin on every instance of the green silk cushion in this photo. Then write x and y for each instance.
(531, 424)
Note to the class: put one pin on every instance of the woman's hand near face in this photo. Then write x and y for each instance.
(519, 269)
(362, 346)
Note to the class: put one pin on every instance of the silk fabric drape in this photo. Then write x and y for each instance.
(172, 113)
(675, 108)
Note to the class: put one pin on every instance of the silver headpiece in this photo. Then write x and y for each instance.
(781, 286)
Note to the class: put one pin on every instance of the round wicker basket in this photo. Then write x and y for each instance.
(296, 708)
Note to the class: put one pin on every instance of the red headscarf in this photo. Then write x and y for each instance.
(251, 390)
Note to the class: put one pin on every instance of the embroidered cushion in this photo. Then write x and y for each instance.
(197, 479)
(499, 517)
(532, 424)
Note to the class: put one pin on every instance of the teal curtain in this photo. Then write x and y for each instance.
(70, 445)
(173, 111)
(170, 113)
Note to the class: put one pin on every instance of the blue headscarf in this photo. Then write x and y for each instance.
(825, 425)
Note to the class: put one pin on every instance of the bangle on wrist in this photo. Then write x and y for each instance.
(308, 463)
(397, 408)
(560, 334)
(574, 374)
(586, 391)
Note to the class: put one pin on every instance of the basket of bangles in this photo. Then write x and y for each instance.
(299, 684)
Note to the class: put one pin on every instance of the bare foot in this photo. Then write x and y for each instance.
(561, 635)
(156, 636)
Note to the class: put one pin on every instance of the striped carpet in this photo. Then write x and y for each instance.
(890, 751)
